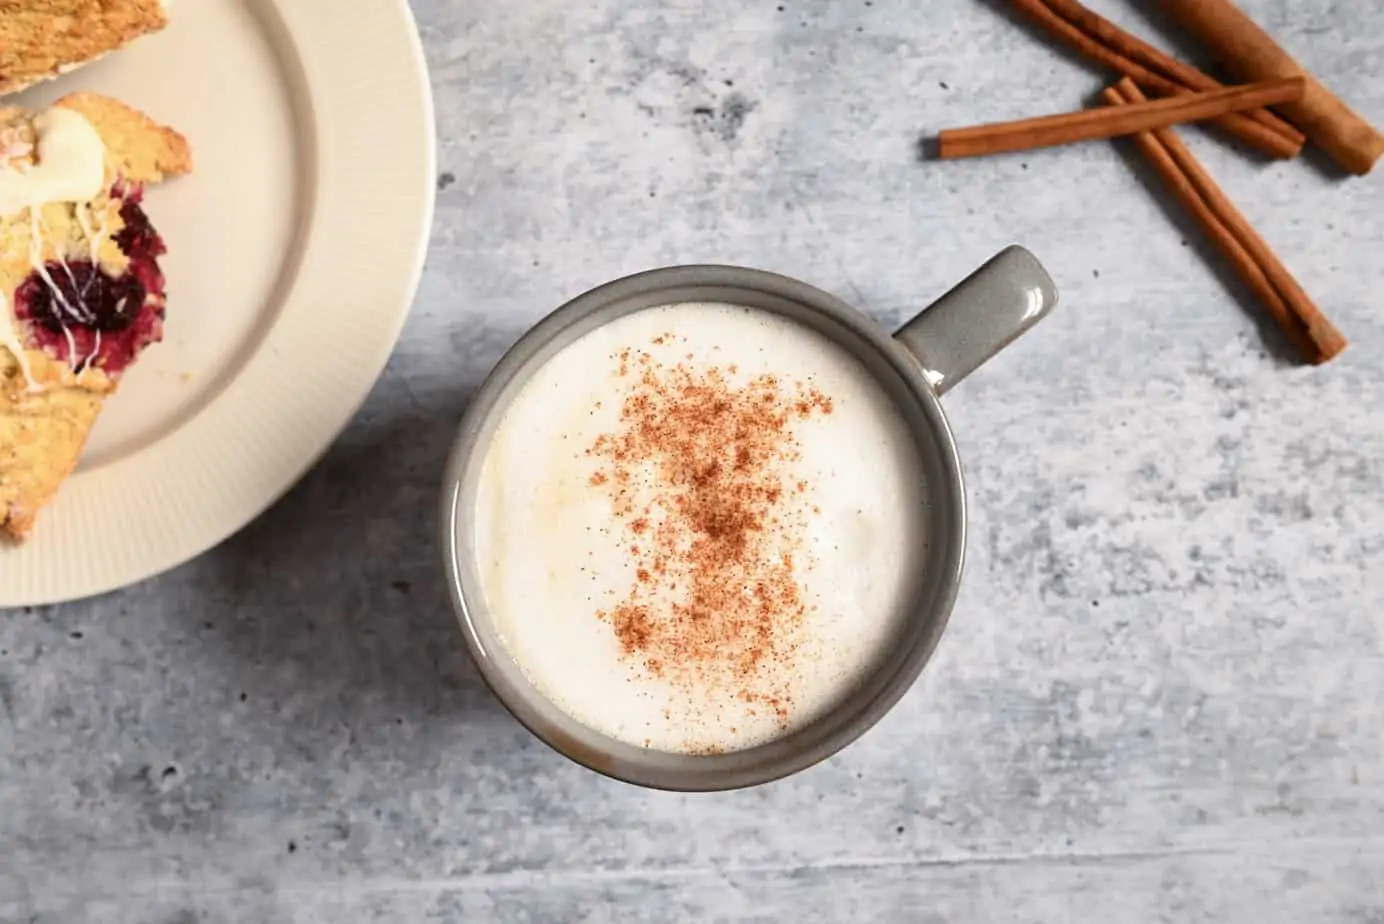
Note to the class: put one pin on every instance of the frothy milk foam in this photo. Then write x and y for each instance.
(698, 527)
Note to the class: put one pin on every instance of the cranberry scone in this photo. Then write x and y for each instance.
(81, 292)
(40, 39)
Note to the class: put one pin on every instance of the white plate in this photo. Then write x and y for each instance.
(294, 254)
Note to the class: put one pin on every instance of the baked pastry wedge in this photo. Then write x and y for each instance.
(81, 291)
(40, 39)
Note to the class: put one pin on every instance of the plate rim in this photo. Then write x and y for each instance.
(111, 530)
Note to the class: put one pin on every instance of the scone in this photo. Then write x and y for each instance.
(40, 39)
(81, 292)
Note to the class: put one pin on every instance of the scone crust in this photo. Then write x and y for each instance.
(41, 439)
(39, 39)
(138, 149)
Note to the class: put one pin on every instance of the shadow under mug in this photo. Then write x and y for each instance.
(930, 354)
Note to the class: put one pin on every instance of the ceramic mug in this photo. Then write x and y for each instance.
(918, 364)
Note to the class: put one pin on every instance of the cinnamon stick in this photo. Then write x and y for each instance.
(1091, 124)
(1290, 306)
(1252, 54)
(1141, 52)
(1242, 127)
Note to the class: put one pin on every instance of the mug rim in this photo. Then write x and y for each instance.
(524, 356)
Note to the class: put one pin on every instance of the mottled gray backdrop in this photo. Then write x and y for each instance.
(1160, 698)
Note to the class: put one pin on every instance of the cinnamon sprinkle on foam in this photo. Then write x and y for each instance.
(697, 473)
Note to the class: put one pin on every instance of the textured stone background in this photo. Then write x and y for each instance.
(1160, 698)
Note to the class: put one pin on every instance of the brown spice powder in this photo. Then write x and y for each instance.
(716, 604)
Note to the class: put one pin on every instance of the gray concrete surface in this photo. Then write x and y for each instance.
(1162, 694)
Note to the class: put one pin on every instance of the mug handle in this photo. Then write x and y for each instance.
(981, 316)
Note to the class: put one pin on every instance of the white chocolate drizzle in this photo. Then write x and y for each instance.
(69, 166)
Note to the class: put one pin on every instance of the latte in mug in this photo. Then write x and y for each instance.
(699, 526)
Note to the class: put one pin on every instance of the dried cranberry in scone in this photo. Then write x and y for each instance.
(81, 290)
(94, 314)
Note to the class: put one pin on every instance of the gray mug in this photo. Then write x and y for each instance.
(918, 364)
